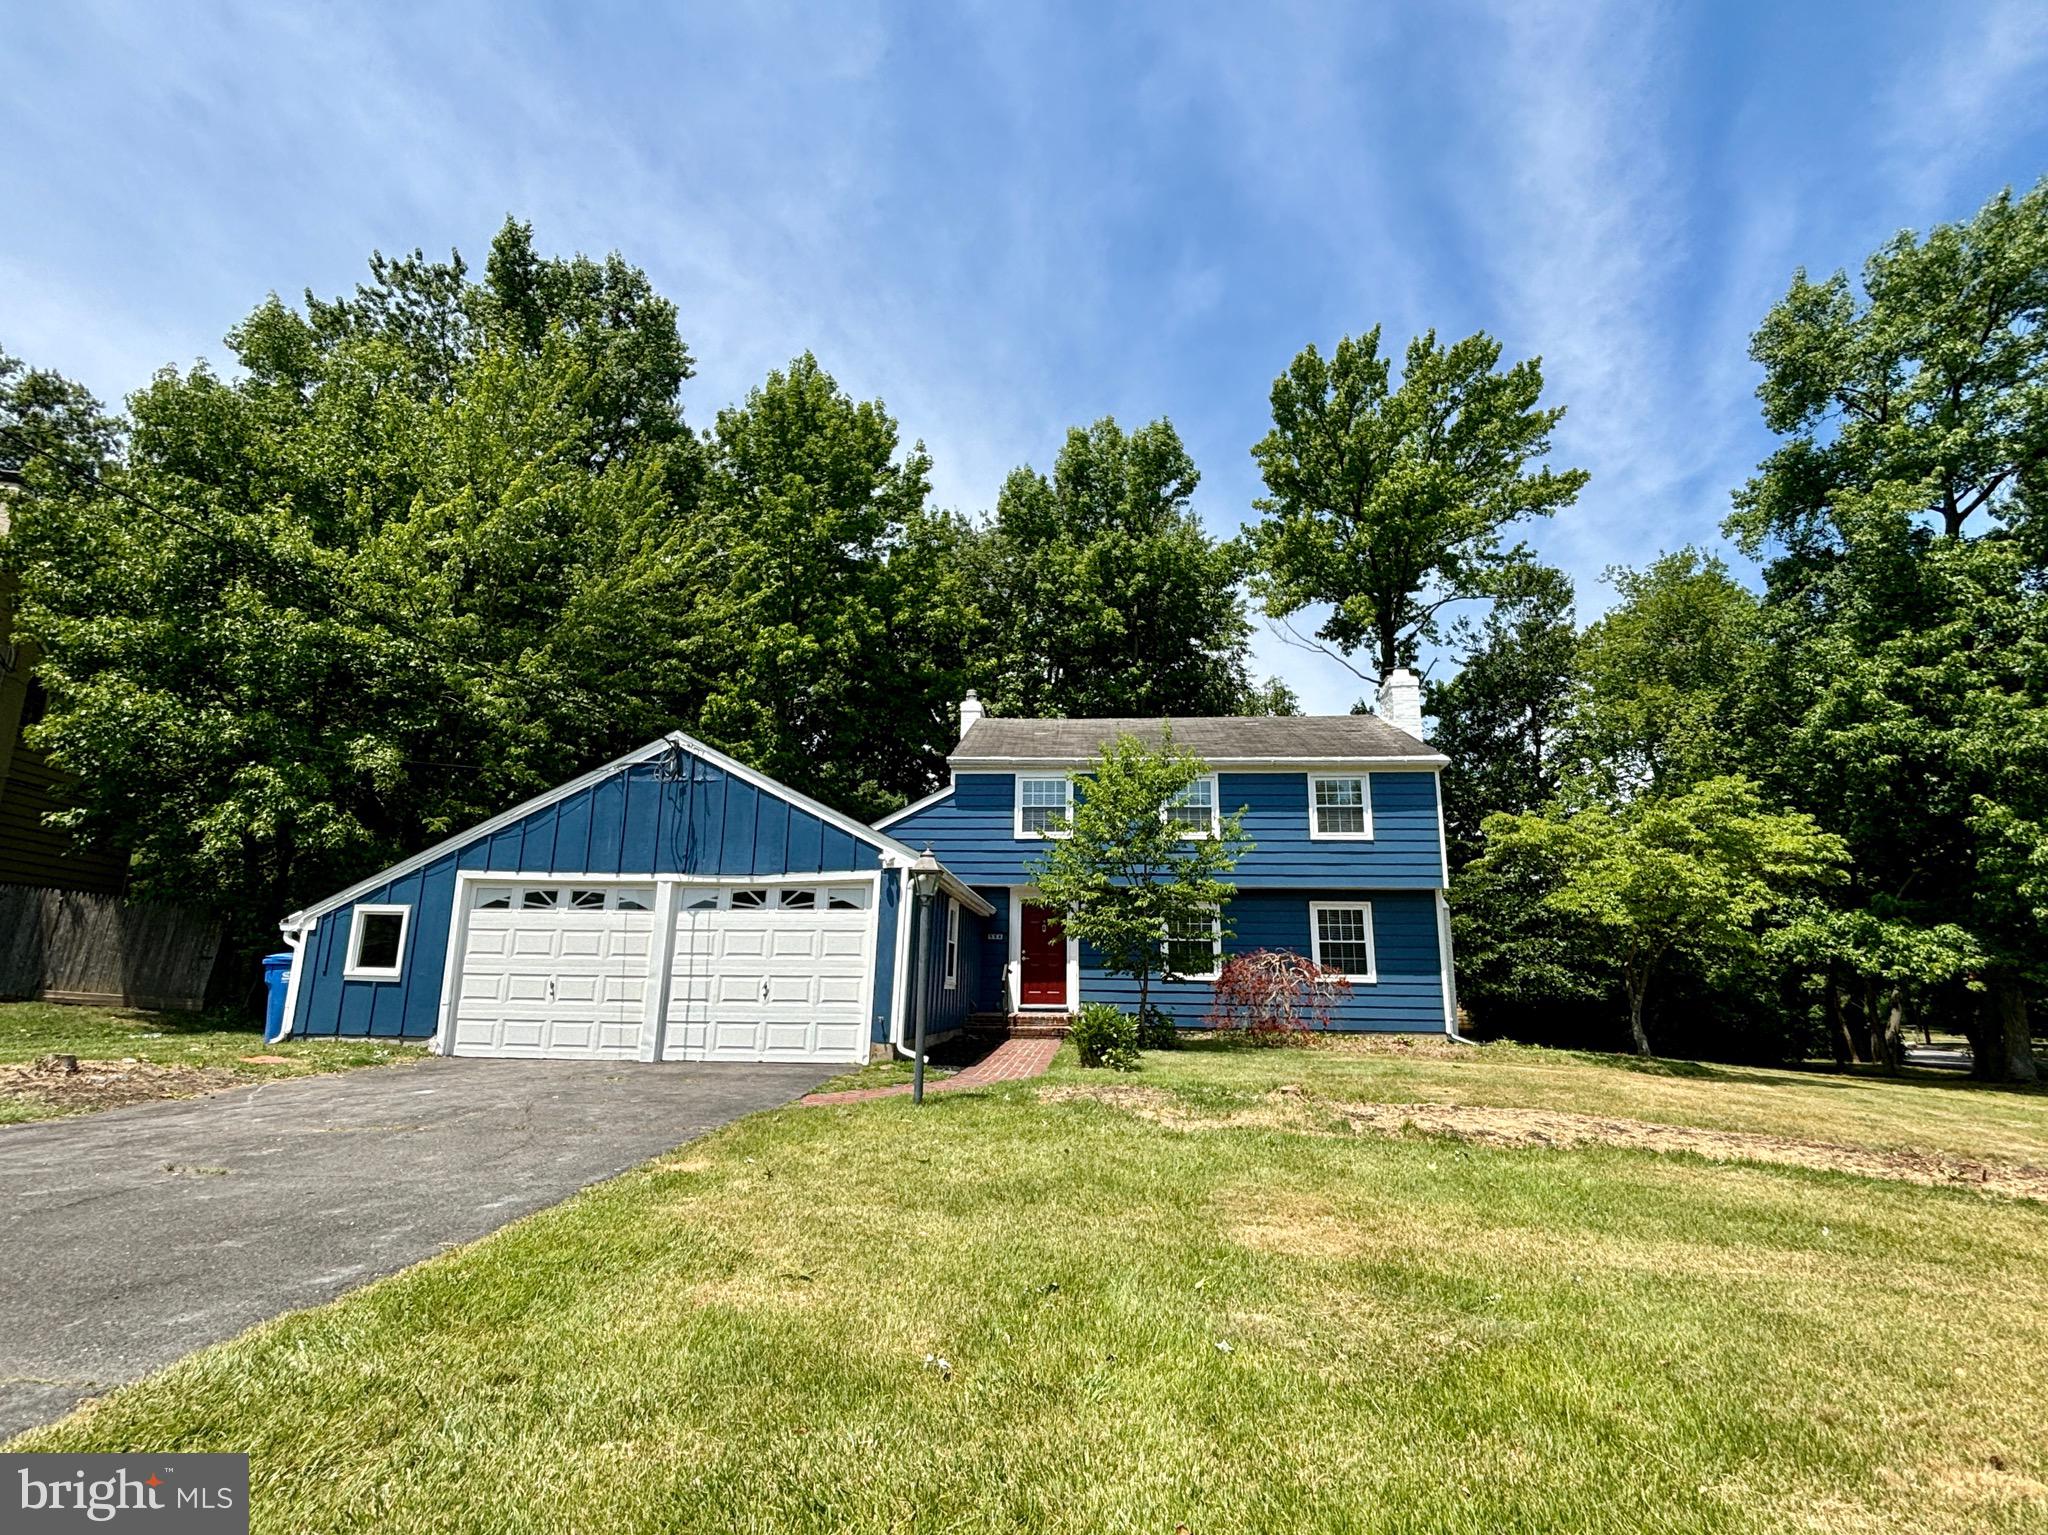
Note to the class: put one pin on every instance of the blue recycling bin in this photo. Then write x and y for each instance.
(277, 975)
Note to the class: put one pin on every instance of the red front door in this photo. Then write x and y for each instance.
(1042, 947)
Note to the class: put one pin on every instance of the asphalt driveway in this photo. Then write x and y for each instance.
(132, 1237)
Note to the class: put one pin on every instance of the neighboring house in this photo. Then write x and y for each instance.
(1347, 865)
(677, 905)
(671, 905)
(32, 852)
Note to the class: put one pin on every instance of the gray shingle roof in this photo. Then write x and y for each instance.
(1224, 738)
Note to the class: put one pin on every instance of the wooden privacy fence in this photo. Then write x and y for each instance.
(76, 946)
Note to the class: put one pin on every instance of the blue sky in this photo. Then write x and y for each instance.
(1007, 219)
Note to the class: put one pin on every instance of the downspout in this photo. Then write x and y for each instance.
(295, 940)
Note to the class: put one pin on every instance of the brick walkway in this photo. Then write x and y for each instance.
(1013, 1060)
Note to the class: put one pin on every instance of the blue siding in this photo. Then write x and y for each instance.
(890, 894)
(1408, 996)
(703, 821)
(995, 950)
(948, 1009)
(973, 832)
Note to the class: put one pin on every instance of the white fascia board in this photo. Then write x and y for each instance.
(647, 753)
(831, 817)
(460, 840)
(929, 800)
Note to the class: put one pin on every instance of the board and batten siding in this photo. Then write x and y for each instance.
(973, 832)
(1408, 996)
(643, 819)
(947, 1010)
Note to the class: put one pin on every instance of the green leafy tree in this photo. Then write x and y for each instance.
(1109, 597)
(1664, 675)
(1694, 874)
(1389, 503)
(1124, 873)
(1907, 705)
(300, 622)
(1500, 719)
(831, 611)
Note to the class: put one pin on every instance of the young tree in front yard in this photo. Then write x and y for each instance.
(1694, 873)
(1135, 862)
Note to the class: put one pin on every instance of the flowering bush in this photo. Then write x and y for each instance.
(1273, 997)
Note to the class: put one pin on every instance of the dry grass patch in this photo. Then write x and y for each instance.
(1294, 1108)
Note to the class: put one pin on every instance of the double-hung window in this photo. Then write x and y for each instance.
(1044, 802)
(1341, 933)
(952, 944)
(1194, 808)
(1194, 946)
(1340, 806)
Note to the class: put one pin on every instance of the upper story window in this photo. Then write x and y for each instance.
(1194, 808)
(1340, 806)
(1042, 802)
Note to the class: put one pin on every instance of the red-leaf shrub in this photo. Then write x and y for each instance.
(1273, 997)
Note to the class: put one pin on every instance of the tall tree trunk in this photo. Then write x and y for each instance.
(1841, 1038)
(2003, 1045)
(1635, 1020)
(1889, 1039)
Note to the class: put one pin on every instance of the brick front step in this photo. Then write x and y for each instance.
(1022, 1025)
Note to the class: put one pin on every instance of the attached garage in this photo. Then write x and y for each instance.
(672, 906)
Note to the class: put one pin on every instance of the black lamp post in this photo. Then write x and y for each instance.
(924, 878)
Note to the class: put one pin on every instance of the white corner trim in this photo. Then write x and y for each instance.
(353, 971)
(1371, 977)
(296, 942)
(1316, 834)
(926, 803)
(1450, 979)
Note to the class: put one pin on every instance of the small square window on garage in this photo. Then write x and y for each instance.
(540, 900)
(848, 898)
(587, 900)
(376, 943)
(749, 900)
(636, 898)
(799, 900)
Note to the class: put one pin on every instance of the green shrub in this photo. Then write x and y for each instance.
(1157, 1032)
(1106, 1037)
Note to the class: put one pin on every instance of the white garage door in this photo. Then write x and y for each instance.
(555, 972)
(770, 973)
(757, 973)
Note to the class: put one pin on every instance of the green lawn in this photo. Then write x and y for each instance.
(203, 1050)
(1238, 1327)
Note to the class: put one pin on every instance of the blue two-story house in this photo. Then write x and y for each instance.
(677, 905)
(1347, 864)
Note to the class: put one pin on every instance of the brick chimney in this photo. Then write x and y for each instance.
(1400, 701)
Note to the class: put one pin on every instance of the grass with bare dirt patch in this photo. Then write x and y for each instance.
(126, 1056)
(1009, 1310)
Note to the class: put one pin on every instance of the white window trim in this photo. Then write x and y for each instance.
(1372, 948)
(1215, 783)
(1215, 952)
(1315, 832)
(952, 944)
(351, 971)
(1017, 805)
